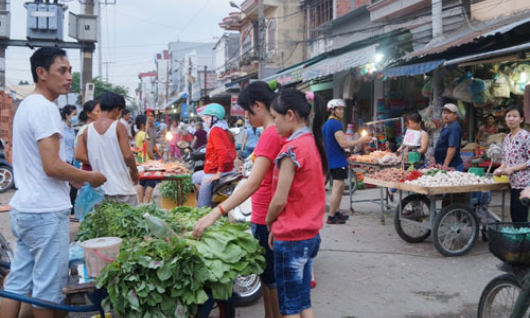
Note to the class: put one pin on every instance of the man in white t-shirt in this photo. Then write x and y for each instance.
(41, 206)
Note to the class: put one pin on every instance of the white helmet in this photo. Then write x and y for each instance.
(336, 103)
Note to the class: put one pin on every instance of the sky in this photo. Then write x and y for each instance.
(132, 32)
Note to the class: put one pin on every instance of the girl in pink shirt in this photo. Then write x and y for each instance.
(256, 99)
(298, 205)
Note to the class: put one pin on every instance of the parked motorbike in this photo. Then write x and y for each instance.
(7, 179)
(247, 288)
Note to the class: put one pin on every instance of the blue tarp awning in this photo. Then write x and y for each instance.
(412, 69)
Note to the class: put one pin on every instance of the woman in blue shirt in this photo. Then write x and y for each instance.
(251, 139)
(69, 117)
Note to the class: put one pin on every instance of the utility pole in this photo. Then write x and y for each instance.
(205, 80)
(86, 77)
(107, 68)
(3, 7)
(437, 21)
(189, 81)
(100, 41)
(261, 39)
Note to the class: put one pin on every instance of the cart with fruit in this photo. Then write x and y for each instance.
(455, 226)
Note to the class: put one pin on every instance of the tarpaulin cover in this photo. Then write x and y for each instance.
(412, 69)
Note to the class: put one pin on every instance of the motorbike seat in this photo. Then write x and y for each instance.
(226, 179)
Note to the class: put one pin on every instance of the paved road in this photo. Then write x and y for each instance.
(364, 270)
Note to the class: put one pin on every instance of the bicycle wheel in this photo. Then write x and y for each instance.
(415, 209)
(455, 230)
(498, 297)
(6, 255)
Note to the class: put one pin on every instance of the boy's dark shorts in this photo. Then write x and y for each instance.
(339, 173)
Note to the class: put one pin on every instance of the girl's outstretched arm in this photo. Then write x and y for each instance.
(279, 200)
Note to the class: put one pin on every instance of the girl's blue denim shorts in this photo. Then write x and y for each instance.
(293, 264)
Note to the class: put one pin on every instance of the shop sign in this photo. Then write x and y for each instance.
(235, 109)
(184, 110)
(340, 63)
(292, 76)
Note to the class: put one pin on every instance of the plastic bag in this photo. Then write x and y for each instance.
(427, 88)
(501, 87)
(461, 91)
(86, 200)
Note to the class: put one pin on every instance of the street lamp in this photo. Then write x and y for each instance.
(234, 5)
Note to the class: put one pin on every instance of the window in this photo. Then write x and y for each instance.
(320, 12)
(271, 30)
(247, 43)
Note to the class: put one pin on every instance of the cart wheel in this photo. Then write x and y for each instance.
(455, 230)
(498, 297)
(413, 226)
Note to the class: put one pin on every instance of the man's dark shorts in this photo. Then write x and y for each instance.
(339, 174)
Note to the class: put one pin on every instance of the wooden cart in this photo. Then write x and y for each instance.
(454, 227)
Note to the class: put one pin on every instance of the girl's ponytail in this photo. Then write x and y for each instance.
(318, 121)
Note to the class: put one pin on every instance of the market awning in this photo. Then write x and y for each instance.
(287, 77)
(470, 35)
(340, 63)
(241, 79)
(171, 102)
(218, 90)
(412, 69)
(487, 56)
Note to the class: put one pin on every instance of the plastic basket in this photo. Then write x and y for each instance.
(512, 248)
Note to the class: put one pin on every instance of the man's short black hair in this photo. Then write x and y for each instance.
(44, 57)
(110, 101)
(125, 112)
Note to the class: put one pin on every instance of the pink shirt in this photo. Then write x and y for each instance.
(303, 215)
(514, 153)
(268, 146)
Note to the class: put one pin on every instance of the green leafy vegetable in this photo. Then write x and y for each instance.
(170, 278)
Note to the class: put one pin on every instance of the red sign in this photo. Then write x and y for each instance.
(235, 109)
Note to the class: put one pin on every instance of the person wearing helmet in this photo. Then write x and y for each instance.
(335, 142)
(220, 152)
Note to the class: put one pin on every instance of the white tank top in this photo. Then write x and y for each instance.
(105, 156)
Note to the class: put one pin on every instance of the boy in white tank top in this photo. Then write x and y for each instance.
(105, 146)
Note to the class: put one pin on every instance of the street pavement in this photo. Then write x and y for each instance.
(364, 270)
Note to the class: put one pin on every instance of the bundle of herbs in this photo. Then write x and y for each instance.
(155, 277)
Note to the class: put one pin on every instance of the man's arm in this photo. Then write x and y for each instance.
(451, 151)
(345, 144)
(54, 167)
(80, 152)
(128, 156)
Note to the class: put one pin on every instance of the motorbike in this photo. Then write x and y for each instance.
(246, 288)
(7, 179)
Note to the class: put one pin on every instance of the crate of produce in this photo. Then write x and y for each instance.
(510, 242)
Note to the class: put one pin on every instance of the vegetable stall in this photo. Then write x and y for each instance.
(177, 188)
(169, 274)
(455, 227)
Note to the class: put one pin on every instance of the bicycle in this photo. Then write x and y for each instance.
(509, 293)
(6, 256)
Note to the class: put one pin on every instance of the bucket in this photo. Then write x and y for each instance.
(476, 171)
(100, 252)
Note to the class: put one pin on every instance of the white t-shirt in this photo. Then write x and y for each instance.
(37, 118)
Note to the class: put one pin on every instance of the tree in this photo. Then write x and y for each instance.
(23, 83)
(101, 87)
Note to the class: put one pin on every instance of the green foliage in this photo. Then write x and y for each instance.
(169, 189)
(170, 278)
(101, 87)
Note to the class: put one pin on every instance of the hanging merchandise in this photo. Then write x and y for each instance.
(461, 91)
(427, 88)
(520, 77)
(461, 110)
(449, 90)
(501, 87)
(481, 91)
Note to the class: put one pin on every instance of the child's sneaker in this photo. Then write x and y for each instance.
(335, 220)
